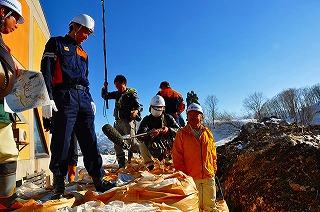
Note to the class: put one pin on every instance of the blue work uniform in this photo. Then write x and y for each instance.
(65, 69)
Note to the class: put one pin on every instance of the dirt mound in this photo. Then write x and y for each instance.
(271, 166)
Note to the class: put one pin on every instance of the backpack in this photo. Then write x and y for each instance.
(7, 71)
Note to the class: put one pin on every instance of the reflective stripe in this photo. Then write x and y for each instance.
(49, 55)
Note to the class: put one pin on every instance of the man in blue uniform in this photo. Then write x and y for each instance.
(65, 69)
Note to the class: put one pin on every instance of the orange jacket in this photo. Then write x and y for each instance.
(174, 101)
(196, 157)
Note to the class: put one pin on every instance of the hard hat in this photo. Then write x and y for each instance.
(196, 107)
(15, 5)
(84, 20)
(157, 101)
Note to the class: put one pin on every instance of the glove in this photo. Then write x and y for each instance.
(93, 108)
(47, 110)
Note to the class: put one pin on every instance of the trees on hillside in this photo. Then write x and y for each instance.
(294, 104)
(254, 104)
(210, 110)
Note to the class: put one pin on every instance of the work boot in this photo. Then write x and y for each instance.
(71, 173)
(58, 187)
(102, 185)
(121, 161)
(130, 156)
(6, 203)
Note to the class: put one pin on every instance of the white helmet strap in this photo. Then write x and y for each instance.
(8, 14)
(2, 20)
(75, 34)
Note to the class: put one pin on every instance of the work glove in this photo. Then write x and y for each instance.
(94, 108)
(47, 110)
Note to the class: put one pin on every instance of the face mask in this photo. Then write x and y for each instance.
(156, 113)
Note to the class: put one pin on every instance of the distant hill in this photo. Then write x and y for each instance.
(104, 144)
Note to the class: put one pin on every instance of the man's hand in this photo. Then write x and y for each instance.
(19, 73)
(155, 132)
(133, 114)
(164, 130)
(47, 110)
(104, 94)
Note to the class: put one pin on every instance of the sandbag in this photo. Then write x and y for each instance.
(222, 206)
(176, 190)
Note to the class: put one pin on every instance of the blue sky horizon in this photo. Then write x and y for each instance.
(223, 48)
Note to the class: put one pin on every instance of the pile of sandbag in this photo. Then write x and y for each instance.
(159, 190)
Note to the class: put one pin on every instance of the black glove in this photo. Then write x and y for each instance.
(104, 94)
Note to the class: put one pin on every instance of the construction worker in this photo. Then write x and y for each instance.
(194, 153)
(126, 112)
(174, 102)
(65, 69)
(163, 127)
(10, 16)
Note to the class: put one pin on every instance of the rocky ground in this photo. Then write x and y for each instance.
(271, 166)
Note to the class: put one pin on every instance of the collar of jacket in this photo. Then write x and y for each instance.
(71, 40)
(187, 128)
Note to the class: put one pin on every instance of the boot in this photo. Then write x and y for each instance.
(71, 173)
(130, 156)
(102, 185)
(58, 187)
(6, 203)
(121, 161)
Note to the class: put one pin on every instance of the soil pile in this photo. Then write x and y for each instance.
(271, 166)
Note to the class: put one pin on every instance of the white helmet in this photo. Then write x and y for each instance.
(15, 5)
(196, 107)
(157, 101)
(84, 20)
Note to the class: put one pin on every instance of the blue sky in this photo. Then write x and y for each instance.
(225, 48)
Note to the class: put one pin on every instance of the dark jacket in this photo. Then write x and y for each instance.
(150, 122)
(7, 60)
(64, 64)
(174, 101)
(124, 103)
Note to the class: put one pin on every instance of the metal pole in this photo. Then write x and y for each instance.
(105, 53)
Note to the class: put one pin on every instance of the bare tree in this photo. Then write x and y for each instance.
(211, 109)
(306, 110)
(315, 90)
(295, 104)
(253, 103)
(290, 99)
